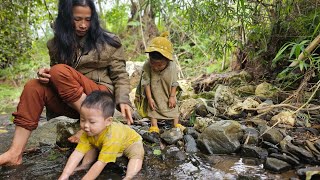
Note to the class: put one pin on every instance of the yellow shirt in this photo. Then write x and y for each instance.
(111, 141)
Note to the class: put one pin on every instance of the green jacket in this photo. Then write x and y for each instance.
(110, 70)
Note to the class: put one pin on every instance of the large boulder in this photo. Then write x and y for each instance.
(221, 137)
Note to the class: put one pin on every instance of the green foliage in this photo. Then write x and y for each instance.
(290, 53)
(117, 18)
(24, 69)
(192, 118)
(14, 29)
(296, 49)
(19, 25)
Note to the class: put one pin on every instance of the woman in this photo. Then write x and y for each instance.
(83, 58)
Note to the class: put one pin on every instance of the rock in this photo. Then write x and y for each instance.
(187, 108)
(302, 153)
(171, 136)
(201, 107)
(64, 131)
(49, 134)
(251, 136)
(311, 146)
(272, 150)
(151, 137)
(253, 151)
(235, 109)
(284, 142)
(187, 90)
(272, 135)
(201, 123)
(192, 131)
(250, 103)
(276, 165)
(223, 98)
(266, 91)
(245, 90)
(175, 153)
(221, 137)
(256, 122)
(190, 144)
(303, 120)
(266, 144)
(286, 158)
(284, 117)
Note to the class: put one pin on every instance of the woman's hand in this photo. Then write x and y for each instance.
(126, 112)
(43, 75)
(172, 102)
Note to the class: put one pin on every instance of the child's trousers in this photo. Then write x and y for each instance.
(66, 86)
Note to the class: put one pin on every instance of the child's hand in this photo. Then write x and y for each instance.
(172, 102)
(152, 104)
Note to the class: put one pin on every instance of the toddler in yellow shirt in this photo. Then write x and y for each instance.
(104, 139)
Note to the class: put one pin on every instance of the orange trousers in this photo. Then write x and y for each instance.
(66, 85)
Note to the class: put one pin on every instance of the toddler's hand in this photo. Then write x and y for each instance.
(172, 102)
(152, 104)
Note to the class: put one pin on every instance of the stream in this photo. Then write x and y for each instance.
(47, 162)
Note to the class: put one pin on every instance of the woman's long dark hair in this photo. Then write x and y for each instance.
(65, 39)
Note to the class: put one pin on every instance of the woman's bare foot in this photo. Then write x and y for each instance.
(76, 137)
(10, 159)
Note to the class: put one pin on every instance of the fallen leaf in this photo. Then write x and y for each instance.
(157, 152)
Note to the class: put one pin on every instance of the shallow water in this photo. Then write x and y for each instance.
(47, 162)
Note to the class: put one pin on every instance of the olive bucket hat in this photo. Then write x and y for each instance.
(162, 45)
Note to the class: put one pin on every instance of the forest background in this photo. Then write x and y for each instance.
(264, 37)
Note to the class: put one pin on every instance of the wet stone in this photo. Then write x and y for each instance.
(190, 144)
(276, 165)
(221, 138)
(302, 153)
(251, 136)
(175, 153)
(172, 136)
(272, 135)
(272, 150)
(192, 131)
(266, 144)
(253, 151)
(65, 128)
(151, 137)
(286, 158)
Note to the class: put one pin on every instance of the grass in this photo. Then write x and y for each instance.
(9, 98)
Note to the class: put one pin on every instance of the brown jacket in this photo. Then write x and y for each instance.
(109, 70)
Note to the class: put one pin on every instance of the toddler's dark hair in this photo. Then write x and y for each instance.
(101, 100)
(155, 55)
